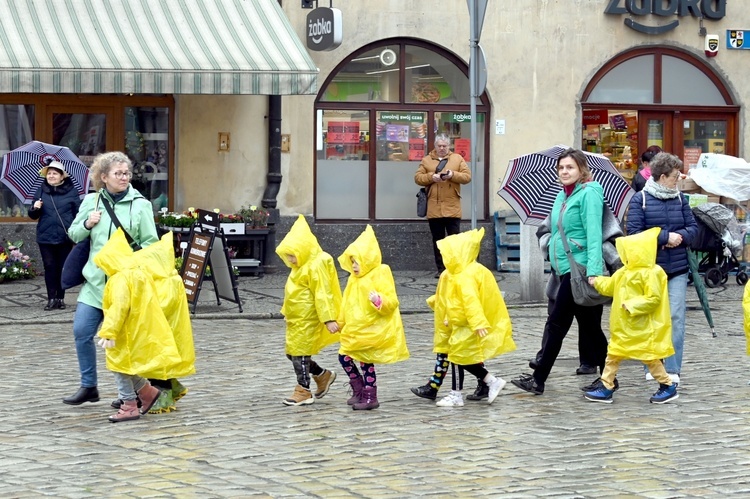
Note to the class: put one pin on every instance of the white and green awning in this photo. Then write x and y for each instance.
(151, 47)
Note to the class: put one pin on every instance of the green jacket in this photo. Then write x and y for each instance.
(137, 218)
(582, 223)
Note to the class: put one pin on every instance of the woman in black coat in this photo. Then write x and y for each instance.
(55, 205)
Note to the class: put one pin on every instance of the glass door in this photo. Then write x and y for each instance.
(655, 129)
(700, 136)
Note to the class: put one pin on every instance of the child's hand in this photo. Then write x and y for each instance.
(481, 332)
(445, 322)
(591, 280)
(376, 299)
(106, 343)
(333, 327)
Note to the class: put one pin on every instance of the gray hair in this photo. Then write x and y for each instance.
(664, 164)
(103, 164)
(443, 137)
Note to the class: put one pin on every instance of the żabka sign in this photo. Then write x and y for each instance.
(709, 9)
(324, 29)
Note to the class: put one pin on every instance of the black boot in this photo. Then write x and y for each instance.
(60, 304)
(426, 392)
(51, 305)
(84, 394)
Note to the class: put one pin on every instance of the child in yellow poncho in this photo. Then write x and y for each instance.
(312, 298)
(640, 323)
(472, 323)
(136, 334)
(370, 320)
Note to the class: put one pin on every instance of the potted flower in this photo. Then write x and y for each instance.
(14, 264)
(177, 222)
(232, 224)
(255, 218)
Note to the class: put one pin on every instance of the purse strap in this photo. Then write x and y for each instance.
(571, 260)
(117, 223)
(438, 169)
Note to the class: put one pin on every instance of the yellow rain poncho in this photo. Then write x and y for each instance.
(312, 295)
(468, 299)
(746, 311)
(369, 334)
(133, 316)
(640, 323)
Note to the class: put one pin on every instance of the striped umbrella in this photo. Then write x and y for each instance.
(21, 167)
(531, 185)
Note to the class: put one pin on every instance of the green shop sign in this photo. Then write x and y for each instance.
(460, 118)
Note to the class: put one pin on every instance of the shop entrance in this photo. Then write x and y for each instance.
(679, 105)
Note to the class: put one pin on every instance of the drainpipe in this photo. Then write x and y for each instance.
(273, 179)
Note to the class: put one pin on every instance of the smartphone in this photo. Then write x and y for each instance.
(443, 175)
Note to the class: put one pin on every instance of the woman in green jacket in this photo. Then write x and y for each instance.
(579, 205)
(110, 174)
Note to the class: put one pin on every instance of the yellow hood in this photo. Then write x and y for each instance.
(459, 250)
(117, 255)
(300, 242)
(365, 250)
(638, 250)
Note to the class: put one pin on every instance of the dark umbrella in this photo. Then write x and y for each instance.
(21, 167)
(531, 185)
(700, 288)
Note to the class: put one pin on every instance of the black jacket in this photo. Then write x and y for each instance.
(64, 197)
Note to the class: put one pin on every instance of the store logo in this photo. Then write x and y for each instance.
(709, 9)
(324, 29)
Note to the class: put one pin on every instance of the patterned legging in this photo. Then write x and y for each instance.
(350, 367)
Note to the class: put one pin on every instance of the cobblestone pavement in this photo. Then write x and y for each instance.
(232, 437)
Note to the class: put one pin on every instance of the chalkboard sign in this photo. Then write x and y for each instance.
(208, 247)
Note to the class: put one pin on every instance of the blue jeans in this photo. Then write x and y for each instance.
(128, 385)
(677, 291)
(85, 325)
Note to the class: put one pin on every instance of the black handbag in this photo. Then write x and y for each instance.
(584, 294)
(422, 193)
(72, 271)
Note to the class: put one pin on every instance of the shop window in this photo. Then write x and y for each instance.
(147, 145)
(16, 129)
(683, 83)
(631, 81)
(398, 95)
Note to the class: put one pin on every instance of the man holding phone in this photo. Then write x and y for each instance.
(442, 172)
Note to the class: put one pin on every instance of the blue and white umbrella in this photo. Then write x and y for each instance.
(531, 184)
(21, 167)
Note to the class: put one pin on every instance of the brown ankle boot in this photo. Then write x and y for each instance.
(128, 412)
(369, 399)
(301, 396)
(324, 381)
(357, 385)
(148, 395)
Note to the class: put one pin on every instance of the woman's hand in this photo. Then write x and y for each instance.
(674, 240)
(592, 279)
(93, 219)
(38, 204)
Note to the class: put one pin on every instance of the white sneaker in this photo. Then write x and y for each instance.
(675, 379)
(649, 377)
(495, 388)
(453, 399)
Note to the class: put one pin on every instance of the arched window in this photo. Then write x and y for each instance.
(376, 118)
(658, 96)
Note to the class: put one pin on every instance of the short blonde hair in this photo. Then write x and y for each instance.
(103, 164)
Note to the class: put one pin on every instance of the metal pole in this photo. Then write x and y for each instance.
(473, 82)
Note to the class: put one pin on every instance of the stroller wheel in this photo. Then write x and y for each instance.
(741, 278)
(724, 278)
(713, 277)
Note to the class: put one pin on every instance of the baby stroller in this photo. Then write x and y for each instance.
(720, 240)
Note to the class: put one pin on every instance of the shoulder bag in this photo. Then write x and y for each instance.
(117, 223)
(584, 293)
(72, 271)
(422, 193)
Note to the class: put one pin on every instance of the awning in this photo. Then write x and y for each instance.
(151, 47)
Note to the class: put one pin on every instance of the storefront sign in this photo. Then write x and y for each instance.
(324, 29)
(618, 121)
(713, 10)
(736, 39)
(692, 156)
(598, 117)
(343, 132)
(396, 116)
(463, 147)
(462, 118)
(416, 149)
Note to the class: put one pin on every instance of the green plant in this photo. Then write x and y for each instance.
(176, 220)
(258, 217)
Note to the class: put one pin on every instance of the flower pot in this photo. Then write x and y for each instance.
(233, 228)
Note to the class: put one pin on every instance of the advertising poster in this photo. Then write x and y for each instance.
(463, 147)
(692, 155)
(343, 132)
(416, 149)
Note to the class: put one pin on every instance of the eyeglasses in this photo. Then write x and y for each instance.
(122, 175)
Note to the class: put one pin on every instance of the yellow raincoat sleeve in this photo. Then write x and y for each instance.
(326, 291)
(437, 303)
(605, 286)
(116, 301)
(647, 302)
(746, 311)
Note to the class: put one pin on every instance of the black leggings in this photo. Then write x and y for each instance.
(441, 227)
(563, 311)
(304, 366)
(53, 258)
